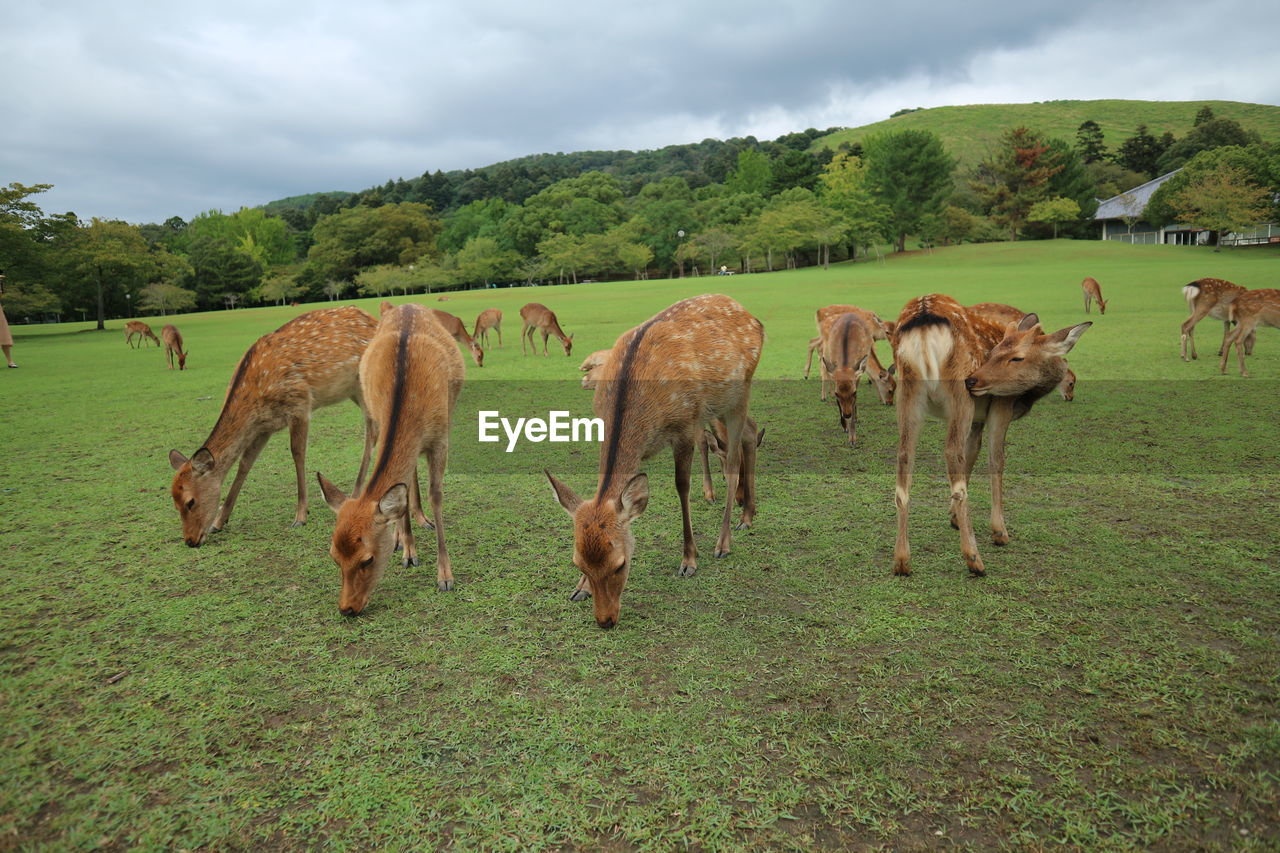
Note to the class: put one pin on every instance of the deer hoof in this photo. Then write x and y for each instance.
(686, 571)
(411, 561)
(1000, 537)
(298, 524)
(445, 586)
(719, 553)
(399, 547)
(902, 568)
(580, 595)
(743, 525)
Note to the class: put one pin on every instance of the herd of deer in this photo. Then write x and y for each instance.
(681, 379)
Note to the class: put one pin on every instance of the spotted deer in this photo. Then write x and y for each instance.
(173, 346)
(846, 350)
(410, 377)
(1249, 310)
(309, 362)
(489, 318)
(458, 331)
(143, 332)
(685, 367)
(973, 372)
(1092, 291)
(1003, 314)
(1211, 297)
(539, 318)
(880, 330)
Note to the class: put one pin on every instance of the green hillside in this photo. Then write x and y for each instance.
(970, 131)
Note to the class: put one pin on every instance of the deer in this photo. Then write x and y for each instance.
(880, 330)
(686, 366)
(1006, 314)
(1211, 297)
(142, 330)
(309, 362)
(1249, 310)
(974, 373)
(847, 348)
(173, 346)
(592, 368)
(539, 318)
(410, 377)
(1092, 290)
(455, 327)
(489, 318)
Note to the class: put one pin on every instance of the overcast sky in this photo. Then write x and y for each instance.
(145, 110)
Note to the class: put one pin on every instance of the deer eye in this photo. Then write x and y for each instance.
(621, 566)
(191, 504)
(366, 563)
(1016, 358)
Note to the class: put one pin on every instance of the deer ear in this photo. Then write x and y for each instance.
(1061, 341)
(571, 334)
(713, 441)
(564, 494)
(177, 460)
(333, 496)
(634, 498)
(395, 501)
(862, 364)
(831, 368)
(385, 307)
(760, 437)
(1028, 322)
(202, 461)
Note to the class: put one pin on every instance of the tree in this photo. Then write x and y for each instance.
(1089, 142)
(1205, 136)
(109, 259)
(280, 288)
(753, 174)
(1141, 153)
(1204, 114)
(1015, 177)
(1223, 200)
(165, 298)
(909, 172)
(794, 169)
(1257, 161)
(482, 260)
(1055, 211)
(218, 268)
(360, 237)
(845, 189)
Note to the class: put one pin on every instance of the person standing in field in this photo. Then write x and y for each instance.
(6, 339)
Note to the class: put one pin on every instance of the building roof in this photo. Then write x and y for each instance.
(1133, 202)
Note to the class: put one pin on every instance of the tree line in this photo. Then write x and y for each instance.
(739, 204)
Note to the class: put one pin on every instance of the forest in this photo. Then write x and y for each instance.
(739, 205)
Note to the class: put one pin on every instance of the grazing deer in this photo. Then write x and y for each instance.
(846, 349)
(540, 318)
(715, 440)
(309, 362)
(592, 368)
(1211, 297)
(1250, 309)
(454, 326)
(880, 331)
(664, 379)
(173, 346)
(1092, 291)
(489, 318)
(142, 330)
(973, 372)
(1003, 314)
(410, 377)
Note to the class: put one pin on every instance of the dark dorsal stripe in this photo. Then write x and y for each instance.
(235, 386)
(845, 321)
(923, 320)
(397, 400)
(621, 390)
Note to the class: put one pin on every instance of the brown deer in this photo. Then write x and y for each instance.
(489, 318)
(309, 362)
(1250, 310)
(454, 326)
(410, 377)
(173, 346)
(1003, 314)
(880, 331)
(847, 347)
(1092, 290)
(973, 372)
(592, 368)
(540, 318)
(142, 330)
(1210, 297)
(663, 380)
(716, 440)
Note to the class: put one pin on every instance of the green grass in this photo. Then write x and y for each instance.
(1111, 684)
(971, 132)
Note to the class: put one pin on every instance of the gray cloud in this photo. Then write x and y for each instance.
(143, 111)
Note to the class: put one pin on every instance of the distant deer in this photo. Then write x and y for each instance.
(663, 380)
(847, 348)
(454, 326)
(1092, 291)
(489, 318)
(592, 368)
(540, 318)
(1211, 297)
(1250, 309)
(880, 331)
(973, 372)
(142, 330)
(173, 346)
(998, 312)
(309, 362)
(410, 377)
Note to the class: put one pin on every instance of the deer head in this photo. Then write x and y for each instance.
(1025, 360)
(846, 393)
(196, 494)
(363, 539)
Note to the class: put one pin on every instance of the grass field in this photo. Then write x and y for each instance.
(1111, 683)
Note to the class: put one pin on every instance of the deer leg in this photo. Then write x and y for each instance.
(910, 406)
(436, 458)
(524, 330)
(404, 533)
(1226, 332)
(583, 591)
(1248, 341)
(999, 416)
(708, 488)
(1189, 331)
(748, 483)
(498, 329)
(958, 425)
(972, 446)
(298, 448)
(682, 451)
(814, 343)
(246, 463)
(545, 335)
(415, 502)
(733, 423)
